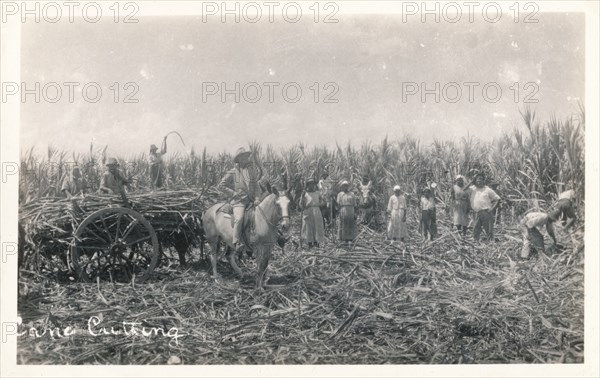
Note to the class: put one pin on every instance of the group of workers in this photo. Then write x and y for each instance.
(245, 186)
(112, 181)
(474, 196)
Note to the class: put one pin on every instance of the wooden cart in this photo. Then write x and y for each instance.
(108, 241)
(115, 243)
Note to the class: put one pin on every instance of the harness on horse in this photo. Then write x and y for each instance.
(249, 223)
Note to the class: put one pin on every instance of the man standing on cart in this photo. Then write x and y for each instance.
(157, 166)
(112, 181)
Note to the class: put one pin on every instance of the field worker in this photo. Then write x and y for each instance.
(432, 186)
(396, 210)
(243, 184)
(325, 184)
(326, 198)
(565, 206)
(483, 202)
(157, 167)
(112, 181)
(346, 203)
(427, 205)
(532, 237)
(459, 197)
(313, 230)
(73, 183)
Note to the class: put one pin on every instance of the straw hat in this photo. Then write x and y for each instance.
(310, 180)
(397, 187)
(241, 155)
(153, 147)
(344, 183)
(111, 162)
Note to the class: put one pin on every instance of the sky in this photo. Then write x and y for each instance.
(370, 61)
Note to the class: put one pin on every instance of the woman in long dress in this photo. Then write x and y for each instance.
(396, 209)
(313, 230)
(460, 208)
(346, 202)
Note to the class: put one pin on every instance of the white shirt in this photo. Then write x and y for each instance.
(427, 203)
(535, 219)
(569, 194)
(482, 198)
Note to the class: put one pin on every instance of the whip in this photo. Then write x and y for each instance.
(179, 135)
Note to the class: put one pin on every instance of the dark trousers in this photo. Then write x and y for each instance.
(428, 224)
(156, 175)
(434, 223)
(532, 240)
(484, 219)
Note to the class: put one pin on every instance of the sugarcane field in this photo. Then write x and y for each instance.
(355, 186)
(373, 300)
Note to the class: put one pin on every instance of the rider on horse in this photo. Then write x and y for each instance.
(242, 183)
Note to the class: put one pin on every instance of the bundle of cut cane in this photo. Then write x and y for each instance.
(48, 224)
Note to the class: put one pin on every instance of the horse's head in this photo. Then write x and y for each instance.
(367, 194)
(365, 190)
(283, 202)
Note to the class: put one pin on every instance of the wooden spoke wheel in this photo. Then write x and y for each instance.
(115, 244)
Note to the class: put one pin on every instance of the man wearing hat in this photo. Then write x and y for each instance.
(243, 184)
(112, 181)
(532, 237)
(73, 183)
(428, 221)
(483, 202)
(156, 164)
(326, 195)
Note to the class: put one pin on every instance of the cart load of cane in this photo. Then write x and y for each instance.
(49, 226)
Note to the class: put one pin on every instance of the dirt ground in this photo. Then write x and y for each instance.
(449, 301)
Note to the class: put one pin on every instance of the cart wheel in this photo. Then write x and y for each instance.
(115, 244)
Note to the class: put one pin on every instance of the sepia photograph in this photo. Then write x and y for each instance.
(341, 188)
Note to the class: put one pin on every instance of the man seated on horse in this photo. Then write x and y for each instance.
(243, 184)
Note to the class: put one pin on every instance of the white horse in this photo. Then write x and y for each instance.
(267, 216)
